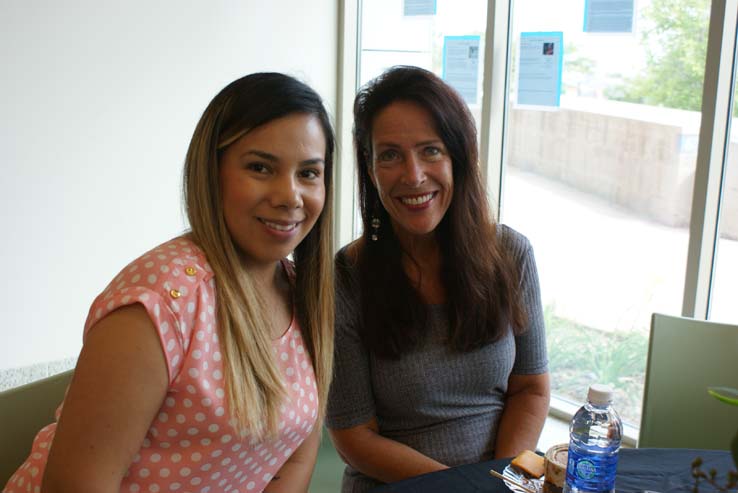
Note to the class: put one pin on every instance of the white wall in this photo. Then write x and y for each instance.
(98, 100)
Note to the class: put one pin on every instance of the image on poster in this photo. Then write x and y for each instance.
(539, 70)
(608, 16)
(461, 65)
(419, 7)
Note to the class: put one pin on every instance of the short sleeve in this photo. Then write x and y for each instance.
(166, 284)
(351, 400)
(530, 347)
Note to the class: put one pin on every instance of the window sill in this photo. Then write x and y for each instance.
(559, 415)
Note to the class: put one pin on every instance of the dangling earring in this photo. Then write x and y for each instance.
(375, 228)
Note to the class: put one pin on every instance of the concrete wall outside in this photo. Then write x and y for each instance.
(642, 162)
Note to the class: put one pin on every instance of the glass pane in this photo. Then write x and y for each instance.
(723, 307)
(601, 184)
(392, 35)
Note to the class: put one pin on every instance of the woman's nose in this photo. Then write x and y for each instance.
(287, 193)
(414, 173)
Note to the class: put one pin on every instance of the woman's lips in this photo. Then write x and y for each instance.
(280, 227)
(414, 201)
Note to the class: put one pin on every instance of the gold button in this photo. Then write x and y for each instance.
(175, 294)
(190, 271)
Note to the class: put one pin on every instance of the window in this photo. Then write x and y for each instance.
(601, 184)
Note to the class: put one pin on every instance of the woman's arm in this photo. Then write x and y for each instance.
(351, 411)
(526, 407)
(294, 475)
(381, 458)
(118, 386)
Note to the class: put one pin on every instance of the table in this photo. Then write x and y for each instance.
(639, 470)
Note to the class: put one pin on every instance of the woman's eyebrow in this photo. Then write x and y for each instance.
(272, 158)
(417, 144)
(429, 142)
(262, 154)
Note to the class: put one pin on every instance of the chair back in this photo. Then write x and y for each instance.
(24, 411)
(685, 357)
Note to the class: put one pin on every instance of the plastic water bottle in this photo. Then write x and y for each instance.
(595, 433)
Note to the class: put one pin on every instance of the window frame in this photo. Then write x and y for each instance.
(712, 158)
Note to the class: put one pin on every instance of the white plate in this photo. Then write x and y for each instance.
(514, 474)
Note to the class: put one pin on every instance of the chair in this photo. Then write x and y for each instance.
(685, 357)
(329, 467)
(24, 411)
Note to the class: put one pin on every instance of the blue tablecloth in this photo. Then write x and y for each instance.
(639, 470)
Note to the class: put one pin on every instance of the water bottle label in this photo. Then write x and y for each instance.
(585, 469)
(590, 471)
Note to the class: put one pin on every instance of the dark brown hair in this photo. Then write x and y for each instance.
(480, 280)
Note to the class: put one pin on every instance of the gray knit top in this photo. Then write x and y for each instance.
(438, 401)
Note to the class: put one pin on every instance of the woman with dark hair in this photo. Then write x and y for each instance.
(206, 362)
(440, 345)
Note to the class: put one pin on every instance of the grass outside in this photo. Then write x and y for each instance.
(580, 355)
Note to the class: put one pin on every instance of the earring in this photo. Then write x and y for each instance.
(375, 228)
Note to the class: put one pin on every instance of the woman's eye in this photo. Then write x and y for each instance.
(258, 167)
(388, 155)
(310, 173)
(432, 151)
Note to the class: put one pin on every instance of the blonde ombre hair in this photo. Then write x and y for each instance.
(254, 389)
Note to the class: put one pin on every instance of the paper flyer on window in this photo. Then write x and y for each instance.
(539, 68)
(608, 16)
(419, 7)
(461, 65)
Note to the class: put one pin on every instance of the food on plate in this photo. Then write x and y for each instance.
(530, 463)
(555, 468)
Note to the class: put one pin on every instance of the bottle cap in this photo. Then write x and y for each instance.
(599, 394)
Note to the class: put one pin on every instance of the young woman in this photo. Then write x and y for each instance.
(206, 361)
(440, 346)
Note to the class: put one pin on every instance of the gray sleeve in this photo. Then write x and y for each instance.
(530, 347)
(350, 401)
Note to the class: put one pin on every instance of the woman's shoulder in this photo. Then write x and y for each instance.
(347, 274)
(176, 261)
(175, 285)
(512, 240)
(171, 273)
(347, 257)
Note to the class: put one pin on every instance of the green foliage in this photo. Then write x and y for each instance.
(674, 38)
(581, 355)
(725, 394)
(578, 69)
(576, 63)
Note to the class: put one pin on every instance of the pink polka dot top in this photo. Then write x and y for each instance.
(190, 446)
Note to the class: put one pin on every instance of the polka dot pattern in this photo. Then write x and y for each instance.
(191, 446)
